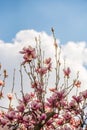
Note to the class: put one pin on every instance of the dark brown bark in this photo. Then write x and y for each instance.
(39, 126)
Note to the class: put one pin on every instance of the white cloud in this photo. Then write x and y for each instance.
(76, 54)
(10, 58)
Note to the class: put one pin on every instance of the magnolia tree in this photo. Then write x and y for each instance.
(43, 108)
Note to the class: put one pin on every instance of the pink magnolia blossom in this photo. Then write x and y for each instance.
(10, 115)
(48, 64)
(77, 83)
(67, 72)
(60, 121)
(3, 121)
(75, 122)
(28, 97)
(49, 122)
(42, 70)
(1, 83)
(84, 94)
(78, 99)
(21, 107)
(35, 105)
(52, 89)
(43, 116)
(67, 116)
(29, 54)
(47, 61)
(10, 96)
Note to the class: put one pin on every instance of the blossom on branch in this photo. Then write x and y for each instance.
(29, 54)
(45, 108)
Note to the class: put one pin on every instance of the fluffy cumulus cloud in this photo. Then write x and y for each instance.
(74, 53)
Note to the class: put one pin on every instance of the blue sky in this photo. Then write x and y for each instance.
(68, 17)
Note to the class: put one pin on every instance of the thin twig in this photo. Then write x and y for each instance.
(13, 81)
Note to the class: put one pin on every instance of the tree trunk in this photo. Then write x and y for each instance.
(37, 127)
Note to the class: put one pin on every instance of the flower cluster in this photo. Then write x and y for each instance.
(37, 110)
